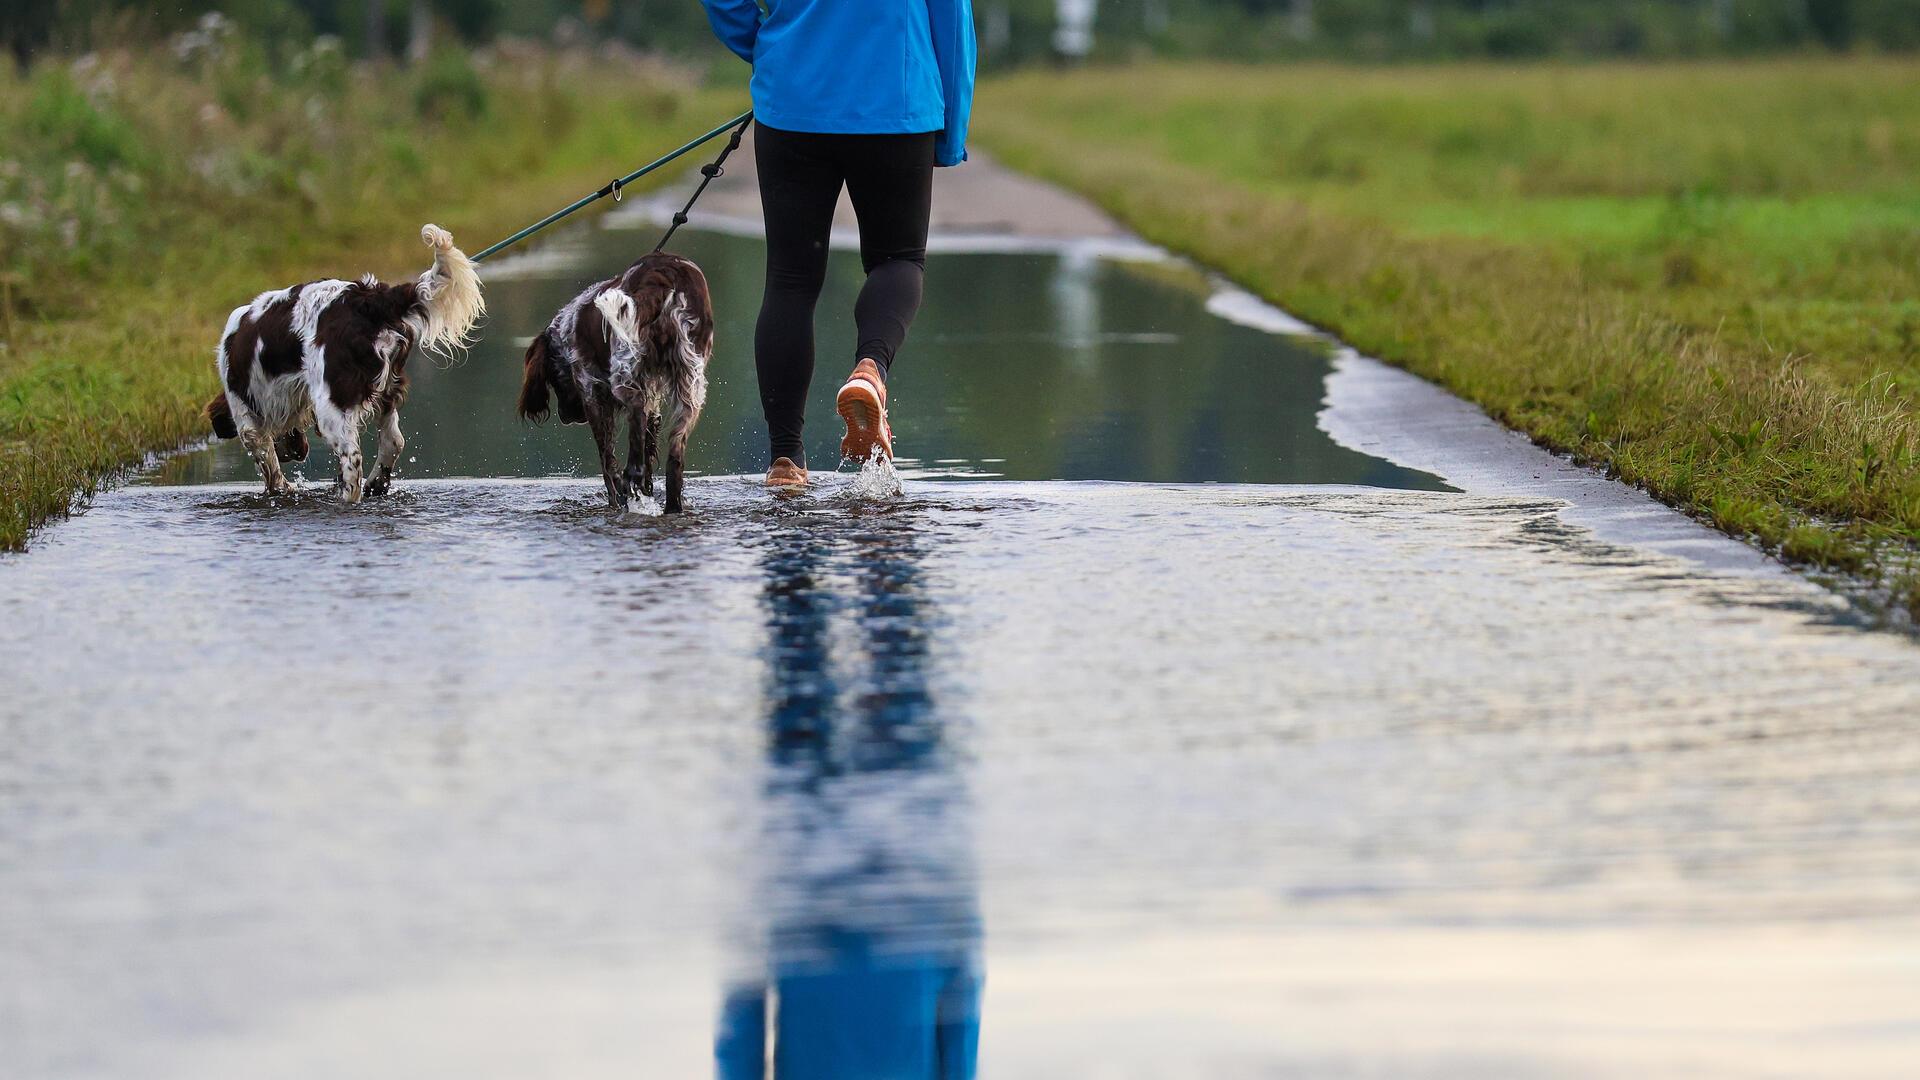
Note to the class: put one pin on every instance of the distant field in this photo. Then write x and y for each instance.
(144, 194)
(1705, 277)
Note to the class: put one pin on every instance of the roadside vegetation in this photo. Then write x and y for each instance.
(146, 192)
(1703, 277)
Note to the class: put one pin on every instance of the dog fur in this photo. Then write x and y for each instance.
(639, 344)
(333, 353)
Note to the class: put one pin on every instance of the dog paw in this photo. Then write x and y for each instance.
(436, 237)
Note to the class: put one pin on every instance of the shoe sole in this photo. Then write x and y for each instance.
(859, 408)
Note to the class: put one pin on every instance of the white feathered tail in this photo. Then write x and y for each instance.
(450, 293)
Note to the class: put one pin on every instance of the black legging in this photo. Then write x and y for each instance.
(889, 179)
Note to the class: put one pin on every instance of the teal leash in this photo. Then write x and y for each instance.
(737, 125)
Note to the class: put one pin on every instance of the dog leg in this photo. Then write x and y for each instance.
(683, 411)
(391, 443)
(342, 436)
(684, 397)
(265, 455)
(291, 446)
(643, 440)
(652, 457)
(602, 420)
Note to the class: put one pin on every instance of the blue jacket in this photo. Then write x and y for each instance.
(863, 67)
(857, 1017)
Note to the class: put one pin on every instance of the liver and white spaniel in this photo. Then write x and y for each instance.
(638, 344)
(333, 353)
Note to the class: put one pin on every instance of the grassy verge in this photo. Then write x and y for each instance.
(1704, 277)
(143, 195)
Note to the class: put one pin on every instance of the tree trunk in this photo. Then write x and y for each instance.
(1300, 20)
(1420, 21)
(376, 29)
(420, 31)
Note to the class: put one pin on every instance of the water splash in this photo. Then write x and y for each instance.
(876, 480)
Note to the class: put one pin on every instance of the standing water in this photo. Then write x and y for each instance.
(1258, 757)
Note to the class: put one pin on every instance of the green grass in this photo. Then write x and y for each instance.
(1703, 277)
(143, 196)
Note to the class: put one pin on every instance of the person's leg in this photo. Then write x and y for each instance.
(890, 183)
(799, 185)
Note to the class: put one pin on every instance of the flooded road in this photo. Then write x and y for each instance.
(1024, 367)
(1151, 731)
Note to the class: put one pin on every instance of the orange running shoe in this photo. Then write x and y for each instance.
(785, 474)
(862, 403)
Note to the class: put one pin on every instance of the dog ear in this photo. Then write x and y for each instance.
(534, 405)
(220, 415)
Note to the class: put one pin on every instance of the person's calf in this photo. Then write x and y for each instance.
(885, 309)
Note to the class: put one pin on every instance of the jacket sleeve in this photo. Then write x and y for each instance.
(740, 1047)
(736, 23)
(953, 49)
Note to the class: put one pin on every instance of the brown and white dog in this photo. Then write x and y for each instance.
(332, 353)
(639, 344)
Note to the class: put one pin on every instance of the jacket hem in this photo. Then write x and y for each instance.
(912, 124)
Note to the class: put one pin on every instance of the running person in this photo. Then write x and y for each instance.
(872, 95)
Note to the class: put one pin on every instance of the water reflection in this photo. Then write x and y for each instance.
(870, 963)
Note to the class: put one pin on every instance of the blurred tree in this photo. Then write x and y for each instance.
(1025, 31)
(26, 25)
(1889, 24)
(1832, 20)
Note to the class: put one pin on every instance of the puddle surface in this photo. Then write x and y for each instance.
(1022, 366)
(1293, 763)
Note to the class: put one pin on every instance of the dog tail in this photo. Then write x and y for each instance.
(449, 295)
(622, 316)
(220, 415)
(633, 304)
(534, 404)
